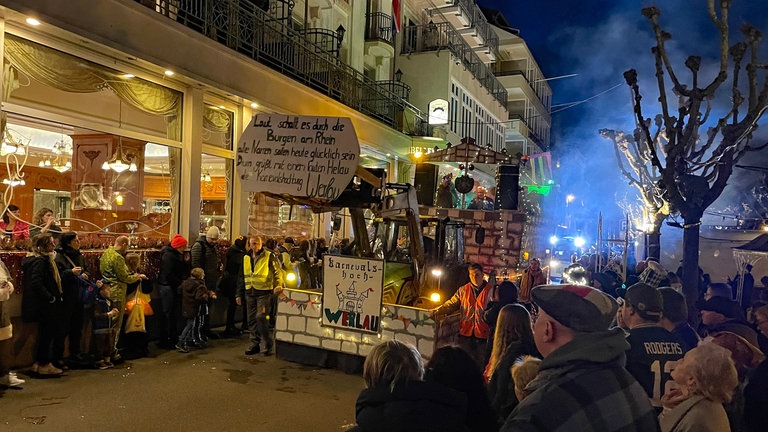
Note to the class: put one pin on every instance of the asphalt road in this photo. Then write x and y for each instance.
(213, 389)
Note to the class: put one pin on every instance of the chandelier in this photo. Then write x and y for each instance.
(120, 161)
(12, 147)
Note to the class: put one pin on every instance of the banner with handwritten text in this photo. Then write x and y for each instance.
(302, 156)
(352, 292)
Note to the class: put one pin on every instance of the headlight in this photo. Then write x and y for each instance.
(579, 242)
(553, 264)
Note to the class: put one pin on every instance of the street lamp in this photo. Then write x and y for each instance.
(398, 75)
(340, 30)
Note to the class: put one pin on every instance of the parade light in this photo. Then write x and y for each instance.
(435, 297)
(553, 264)
(579, 242)
(553, 240)
(290, 277)
(437, 272)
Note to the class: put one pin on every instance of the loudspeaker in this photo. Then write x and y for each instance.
(507, 187)
(426, 183)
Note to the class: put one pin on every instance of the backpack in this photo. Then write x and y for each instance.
(88, 291)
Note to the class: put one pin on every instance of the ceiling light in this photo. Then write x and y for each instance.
(33, 22)
(254, 105)
(129, 76)
(168, 73)
(222, 106)
(119, 161)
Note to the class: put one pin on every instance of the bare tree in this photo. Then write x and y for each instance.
(694, 166)
(634, 161)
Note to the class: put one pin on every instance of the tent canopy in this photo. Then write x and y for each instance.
(758, 245)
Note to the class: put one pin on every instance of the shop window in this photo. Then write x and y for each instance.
(97, 184)
(216, 194)
(218, 126)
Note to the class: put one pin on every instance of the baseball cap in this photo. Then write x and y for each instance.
(645, 299)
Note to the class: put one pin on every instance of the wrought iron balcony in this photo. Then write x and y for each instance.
(309, 58)
(474, 19)
(378, 26)
(442, 36)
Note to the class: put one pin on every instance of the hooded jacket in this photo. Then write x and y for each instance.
(583, 386)
(206, 256)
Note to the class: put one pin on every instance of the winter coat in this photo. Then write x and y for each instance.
(42, 299)
(583, 386)
(206, 256)
(695, 414)
(114, 271)
(233, 271)
(415, 406)
(173, 269)
(194, 294)
(70, 284)
(501, 387)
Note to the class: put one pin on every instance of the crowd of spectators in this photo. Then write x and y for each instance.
(596, 353)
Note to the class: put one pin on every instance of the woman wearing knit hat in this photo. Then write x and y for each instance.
(173, 270)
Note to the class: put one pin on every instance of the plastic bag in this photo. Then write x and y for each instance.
(141, 299)
(136, 321)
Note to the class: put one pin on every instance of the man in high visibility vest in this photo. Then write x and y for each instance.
(261, 279)
(470, 301)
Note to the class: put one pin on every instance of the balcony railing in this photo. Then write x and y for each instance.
(442, 36)
(480, 23)
(269, 40)
(324, 40)
(378, 26)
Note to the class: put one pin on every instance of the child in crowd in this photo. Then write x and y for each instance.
(103, 333)
(194, 300)
(524, 371)
(134, 343)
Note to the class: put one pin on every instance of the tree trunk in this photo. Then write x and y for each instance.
(653, 240)
(691, 268)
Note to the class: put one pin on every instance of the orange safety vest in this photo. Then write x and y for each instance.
(472, 309)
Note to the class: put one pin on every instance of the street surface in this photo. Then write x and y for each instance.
(213, 389)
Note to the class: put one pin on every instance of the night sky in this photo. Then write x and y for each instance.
(599, 40)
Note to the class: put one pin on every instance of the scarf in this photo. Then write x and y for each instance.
(56, 276)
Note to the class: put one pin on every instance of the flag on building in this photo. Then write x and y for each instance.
(396, 18)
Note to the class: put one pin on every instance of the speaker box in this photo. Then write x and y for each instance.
(425, 182)
(507, 187)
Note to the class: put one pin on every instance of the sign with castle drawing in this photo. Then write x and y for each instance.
(352, 291)
(301, 156)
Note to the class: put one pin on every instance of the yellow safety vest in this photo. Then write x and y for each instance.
(257, 276)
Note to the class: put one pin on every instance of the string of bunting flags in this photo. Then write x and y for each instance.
(299, 304)
(425, 319)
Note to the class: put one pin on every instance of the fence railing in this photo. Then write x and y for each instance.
(267, 37)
